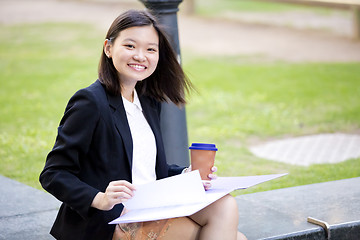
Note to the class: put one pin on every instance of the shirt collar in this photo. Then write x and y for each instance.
(131, 107)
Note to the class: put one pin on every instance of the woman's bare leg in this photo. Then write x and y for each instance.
(241, 236)
(219, 220)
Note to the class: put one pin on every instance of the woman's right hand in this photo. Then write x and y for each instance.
(115, 193)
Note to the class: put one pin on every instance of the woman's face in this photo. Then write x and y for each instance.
(135, 53)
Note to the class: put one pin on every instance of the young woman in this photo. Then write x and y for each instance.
(109, 141)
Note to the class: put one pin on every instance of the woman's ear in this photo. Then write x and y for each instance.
(107, 48)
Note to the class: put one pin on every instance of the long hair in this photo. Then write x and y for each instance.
(167, 83)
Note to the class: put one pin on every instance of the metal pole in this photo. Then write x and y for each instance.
(173, 119)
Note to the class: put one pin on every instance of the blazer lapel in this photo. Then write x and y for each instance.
(122, 125)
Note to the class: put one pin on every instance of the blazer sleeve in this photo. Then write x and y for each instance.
(60, 176)
(175, 169)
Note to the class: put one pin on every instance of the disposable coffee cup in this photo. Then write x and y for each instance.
(202, 157)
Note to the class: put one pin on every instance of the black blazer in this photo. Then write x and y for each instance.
(94, 147)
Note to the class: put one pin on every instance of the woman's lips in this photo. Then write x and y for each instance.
(137, 67)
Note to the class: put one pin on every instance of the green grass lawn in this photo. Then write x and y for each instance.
(41, 66)
(237, 103)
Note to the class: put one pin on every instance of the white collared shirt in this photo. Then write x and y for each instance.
(144, 145)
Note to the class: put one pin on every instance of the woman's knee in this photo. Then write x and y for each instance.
(224, 210)
(228, 206)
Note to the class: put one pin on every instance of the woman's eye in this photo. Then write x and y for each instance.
(130, 46)
(152, 50)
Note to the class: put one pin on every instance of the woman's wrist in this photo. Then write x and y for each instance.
(97, 201)
(186, 170)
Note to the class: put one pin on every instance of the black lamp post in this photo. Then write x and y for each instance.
(173, 119)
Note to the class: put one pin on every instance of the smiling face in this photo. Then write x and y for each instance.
(135, 54)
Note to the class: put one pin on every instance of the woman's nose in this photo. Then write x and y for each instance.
(139, 56)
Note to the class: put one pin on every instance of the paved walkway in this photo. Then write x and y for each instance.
(241, 37)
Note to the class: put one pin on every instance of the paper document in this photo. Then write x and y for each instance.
(181, 195)
(181, 189)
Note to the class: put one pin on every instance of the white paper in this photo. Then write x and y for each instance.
(173, 205)
(235, 183)
(181, 189)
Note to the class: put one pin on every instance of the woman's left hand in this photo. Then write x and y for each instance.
(211, 175)
(207, 183)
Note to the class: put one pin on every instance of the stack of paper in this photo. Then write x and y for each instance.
(181, 195)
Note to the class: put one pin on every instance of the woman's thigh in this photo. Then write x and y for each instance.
(182, 228)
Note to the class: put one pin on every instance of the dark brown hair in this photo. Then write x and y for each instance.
(167, 83)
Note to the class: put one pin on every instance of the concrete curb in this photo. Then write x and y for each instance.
(25, 212)
(282, 213)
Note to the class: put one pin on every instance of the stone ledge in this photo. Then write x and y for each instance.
(282, 213)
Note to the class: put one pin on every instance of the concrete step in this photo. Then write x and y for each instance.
(283, 213)
(25, 212)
